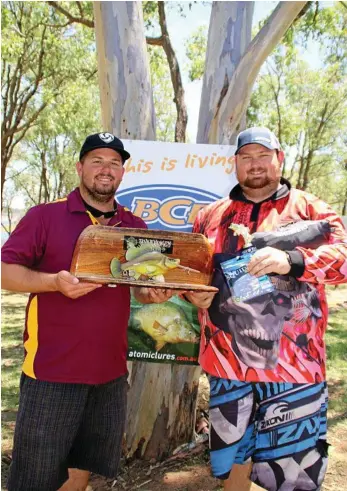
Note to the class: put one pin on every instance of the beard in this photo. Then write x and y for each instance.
(101, 193)
(257, 182)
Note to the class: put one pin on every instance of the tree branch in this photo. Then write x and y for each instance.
(154, 41)
(6, 229)
(17, 173)
(181, 108)
(72, 18)
(80, 9)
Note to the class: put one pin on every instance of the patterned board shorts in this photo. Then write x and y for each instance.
(66, 425)
(280, 427)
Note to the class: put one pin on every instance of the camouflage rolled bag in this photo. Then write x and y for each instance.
(306, 233)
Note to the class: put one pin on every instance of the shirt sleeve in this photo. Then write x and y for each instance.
(131, 220)
(198, 225)
(328, 263)
(26, 244)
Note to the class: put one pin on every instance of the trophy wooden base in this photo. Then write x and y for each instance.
(138, 257)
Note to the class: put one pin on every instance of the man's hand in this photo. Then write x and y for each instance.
(159, 295)
(152, 295)
(200, 299)
(269, 260)
(71, 287)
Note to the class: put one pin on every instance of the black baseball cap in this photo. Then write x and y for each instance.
(104, 140)
(257, 134)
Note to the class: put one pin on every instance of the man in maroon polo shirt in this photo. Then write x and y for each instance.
(72, 406)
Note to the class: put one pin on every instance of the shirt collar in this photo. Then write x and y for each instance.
(98, 213)
(75, 204)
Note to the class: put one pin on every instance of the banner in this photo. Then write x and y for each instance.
(166, 184)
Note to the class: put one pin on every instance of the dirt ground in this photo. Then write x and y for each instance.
(189, 470)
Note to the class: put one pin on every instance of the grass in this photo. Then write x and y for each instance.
(336, 339)
(13, 310)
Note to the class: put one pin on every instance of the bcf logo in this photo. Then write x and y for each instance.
(166, 207)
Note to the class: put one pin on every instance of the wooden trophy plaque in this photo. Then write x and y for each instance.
(138, 257)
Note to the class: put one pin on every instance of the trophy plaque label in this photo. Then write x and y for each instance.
(165, 246)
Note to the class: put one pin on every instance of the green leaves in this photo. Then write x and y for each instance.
(306, 105)
(162, 94)
(196, 52)
(50, 96)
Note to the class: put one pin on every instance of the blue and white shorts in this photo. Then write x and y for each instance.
(280, 427)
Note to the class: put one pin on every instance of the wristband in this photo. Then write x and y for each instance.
(289, 259)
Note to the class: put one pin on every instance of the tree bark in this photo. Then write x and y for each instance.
(161, 412)
(308, 163)
(344, 207)
(163, 41)
(44, 179)
(124, 77)
(224, 118)
(162, 397)
(228, 37)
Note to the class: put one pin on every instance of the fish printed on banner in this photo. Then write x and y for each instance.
(165, 323)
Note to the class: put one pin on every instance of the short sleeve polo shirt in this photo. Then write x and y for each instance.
(81, 340)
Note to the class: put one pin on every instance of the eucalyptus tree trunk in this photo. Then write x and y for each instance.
(224, 103)
(124, 78)
(230, 32)
(162, 397)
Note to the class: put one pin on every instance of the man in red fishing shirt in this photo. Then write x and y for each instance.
(73, 387)
(262, 345)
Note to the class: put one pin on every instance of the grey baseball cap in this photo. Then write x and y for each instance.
(259, 135)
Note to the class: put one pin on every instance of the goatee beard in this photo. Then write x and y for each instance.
(98, 197)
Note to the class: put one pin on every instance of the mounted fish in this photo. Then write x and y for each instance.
(147, 264)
